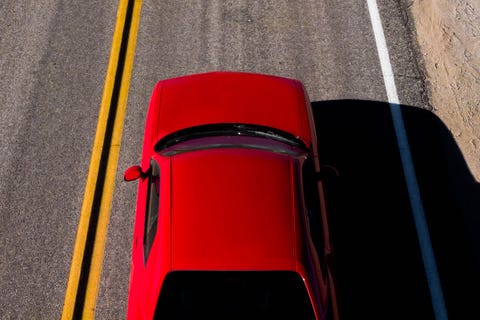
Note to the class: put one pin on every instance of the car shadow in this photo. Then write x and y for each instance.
(378, 263)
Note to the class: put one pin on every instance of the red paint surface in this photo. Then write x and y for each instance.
(232, 210)
(225, 209)
(232, 98)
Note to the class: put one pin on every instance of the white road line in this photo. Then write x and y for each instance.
(433, 280)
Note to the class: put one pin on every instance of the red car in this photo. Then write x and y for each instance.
(230, 219)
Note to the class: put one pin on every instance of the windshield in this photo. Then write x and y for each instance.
(232, 142)
(234, 295)
(229, 131)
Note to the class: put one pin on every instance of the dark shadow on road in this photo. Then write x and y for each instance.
(378, 261)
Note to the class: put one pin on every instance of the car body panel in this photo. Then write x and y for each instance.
(222, 97)
(249, 206)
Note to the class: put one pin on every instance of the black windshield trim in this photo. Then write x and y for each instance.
(228, 129)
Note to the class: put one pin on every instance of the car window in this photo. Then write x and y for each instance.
(234, 295)
(151, 216)
(312, 208)
(229, 130)
(233, 142)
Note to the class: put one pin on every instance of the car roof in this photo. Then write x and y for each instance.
(231, 97)
(233, 209)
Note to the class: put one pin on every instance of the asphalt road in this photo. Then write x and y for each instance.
(53, 61)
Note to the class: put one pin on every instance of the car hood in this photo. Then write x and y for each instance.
(231, 97)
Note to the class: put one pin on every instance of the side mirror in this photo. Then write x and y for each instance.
(133, 173)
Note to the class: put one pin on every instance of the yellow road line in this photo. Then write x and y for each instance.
(98, 146)
(95, 271)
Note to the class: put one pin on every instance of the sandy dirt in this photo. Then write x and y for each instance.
(448, 34)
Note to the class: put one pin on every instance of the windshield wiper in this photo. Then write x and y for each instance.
(229, 129)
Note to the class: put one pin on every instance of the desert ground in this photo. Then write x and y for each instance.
(448, 36)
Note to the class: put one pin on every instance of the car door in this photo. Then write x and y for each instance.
(145, 229)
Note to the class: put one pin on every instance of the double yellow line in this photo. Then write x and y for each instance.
(83, 281)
